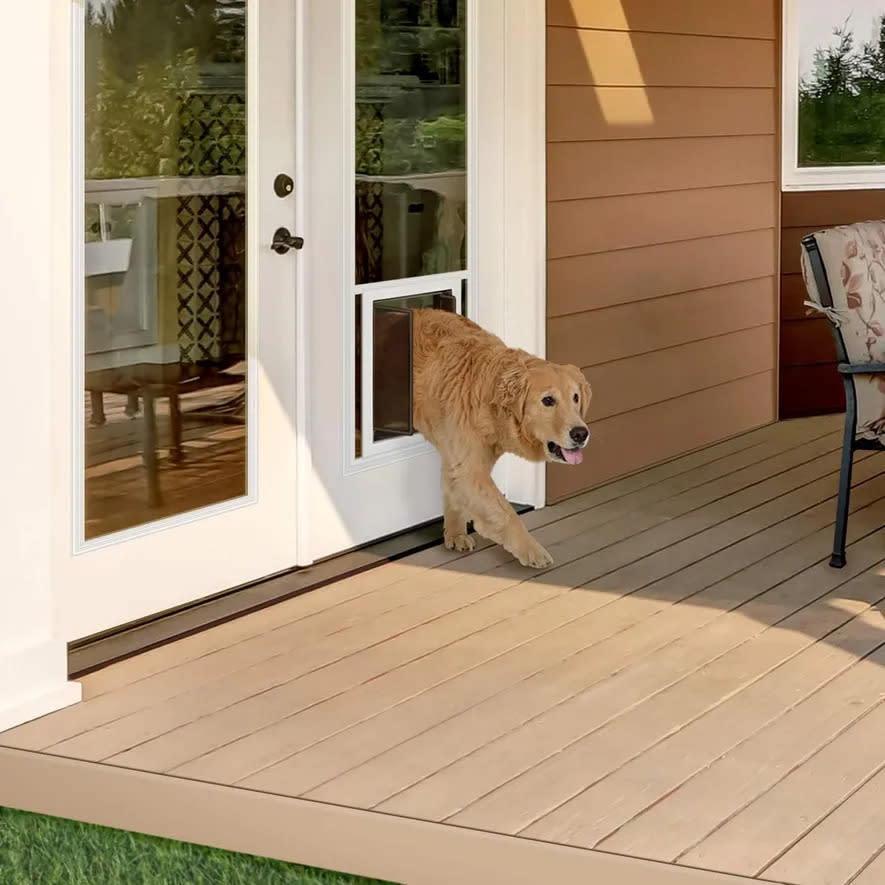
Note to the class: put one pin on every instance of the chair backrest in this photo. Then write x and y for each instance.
(844, 272)
(853, 259)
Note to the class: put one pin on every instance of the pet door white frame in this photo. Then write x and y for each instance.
(386, 451)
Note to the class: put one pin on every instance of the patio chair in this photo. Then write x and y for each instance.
(844, 272)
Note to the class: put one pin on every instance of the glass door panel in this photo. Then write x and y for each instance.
(164, 423)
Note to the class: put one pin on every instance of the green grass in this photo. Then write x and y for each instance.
(39, 850)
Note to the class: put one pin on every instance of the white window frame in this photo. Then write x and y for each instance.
(809, 178)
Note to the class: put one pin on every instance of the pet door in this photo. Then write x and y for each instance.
(384, 364)
(392, 361)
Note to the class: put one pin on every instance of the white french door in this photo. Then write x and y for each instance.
(177, 394)
(223, 409)
(405, 121)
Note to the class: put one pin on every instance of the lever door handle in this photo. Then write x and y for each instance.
(283, 241)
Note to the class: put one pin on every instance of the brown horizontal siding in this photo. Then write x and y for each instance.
(582, 169)
(793, 298)
(580, 227)
(810, 390)
(809, 383)
(588, 113)
(751, 18)
(817, 209)
(628, 384)
(581, 282)
(791, 247)
(612, 58)
(629, 442)
(805, 341)
(631, 330)
(662, 209)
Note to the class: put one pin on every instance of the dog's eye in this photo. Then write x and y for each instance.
(576, 398)
(549, 401)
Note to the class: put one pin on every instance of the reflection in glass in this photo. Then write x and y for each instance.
(164, 258)
(410, 147)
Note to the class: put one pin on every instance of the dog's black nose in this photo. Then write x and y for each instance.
(579, 435)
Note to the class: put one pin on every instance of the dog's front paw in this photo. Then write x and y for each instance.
(462, 543)
(534, 556)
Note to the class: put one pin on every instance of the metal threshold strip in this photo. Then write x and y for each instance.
(101, 649)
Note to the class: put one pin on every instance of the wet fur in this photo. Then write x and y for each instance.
(474, 399)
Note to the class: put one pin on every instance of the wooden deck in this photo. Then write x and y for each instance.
(690, 683)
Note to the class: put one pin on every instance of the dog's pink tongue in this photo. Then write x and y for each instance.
(573, 456)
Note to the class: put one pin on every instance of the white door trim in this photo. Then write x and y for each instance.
(525, 209)
(33, 651)
(303, 350)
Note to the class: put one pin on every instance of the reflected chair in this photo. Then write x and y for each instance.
(844, 272)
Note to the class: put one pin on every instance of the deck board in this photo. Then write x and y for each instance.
(577, 821)
(195, 722)
(544, 763)
(766, 828)
(690, 683)
(590, 694)
(843, 842)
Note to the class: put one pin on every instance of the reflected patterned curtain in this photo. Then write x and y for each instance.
(211, 259)
(369, 204)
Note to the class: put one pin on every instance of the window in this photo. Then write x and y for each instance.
(834, 94)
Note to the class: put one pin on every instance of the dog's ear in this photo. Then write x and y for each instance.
(586, 392)
(513, 389)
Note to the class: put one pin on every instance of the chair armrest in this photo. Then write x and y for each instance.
(861, 368)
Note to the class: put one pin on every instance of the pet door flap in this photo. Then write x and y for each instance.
(392, 372)
(392, 360)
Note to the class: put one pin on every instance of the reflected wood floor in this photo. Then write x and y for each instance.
(690, 682)
(213, 469)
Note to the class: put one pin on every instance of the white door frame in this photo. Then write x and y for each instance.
(523, 294)
(511, 284)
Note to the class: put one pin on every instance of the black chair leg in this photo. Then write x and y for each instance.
(837, 560)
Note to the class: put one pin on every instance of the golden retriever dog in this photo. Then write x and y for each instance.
(474, 398)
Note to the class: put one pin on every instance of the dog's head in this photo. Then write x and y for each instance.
(549, 402)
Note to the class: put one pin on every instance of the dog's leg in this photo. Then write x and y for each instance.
(454, 521)
(495, 519)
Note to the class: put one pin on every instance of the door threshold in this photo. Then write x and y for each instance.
(101, 649)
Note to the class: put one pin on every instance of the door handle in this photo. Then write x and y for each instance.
(283, 241)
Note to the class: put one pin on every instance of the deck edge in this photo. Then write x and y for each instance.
(317, 834)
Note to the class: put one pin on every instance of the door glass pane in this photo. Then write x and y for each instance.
(165, 258)
(410, 151)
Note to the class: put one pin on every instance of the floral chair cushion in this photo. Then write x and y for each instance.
(853, 256)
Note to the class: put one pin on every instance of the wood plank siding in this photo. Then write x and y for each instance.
(662, 222)
(809, 384)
